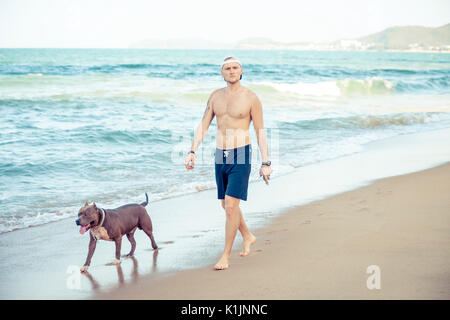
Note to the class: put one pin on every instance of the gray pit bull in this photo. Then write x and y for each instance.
(112, 224)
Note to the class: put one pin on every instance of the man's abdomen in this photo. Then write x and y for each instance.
(232, 138)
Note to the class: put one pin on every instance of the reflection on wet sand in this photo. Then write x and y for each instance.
(94, 283)
(120, 276)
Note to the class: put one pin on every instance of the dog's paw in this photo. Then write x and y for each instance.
(116, 262)
(84, 269)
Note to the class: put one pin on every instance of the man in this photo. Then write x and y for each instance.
(234, 107)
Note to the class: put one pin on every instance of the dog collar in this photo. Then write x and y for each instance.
(102, 211)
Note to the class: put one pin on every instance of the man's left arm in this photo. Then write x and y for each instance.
(256, 114)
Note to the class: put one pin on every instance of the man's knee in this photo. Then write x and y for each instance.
(231, 205)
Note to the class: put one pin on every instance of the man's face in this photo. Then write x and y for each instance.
(231, 72)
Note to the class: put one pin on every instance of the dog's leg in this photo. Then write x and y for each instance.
(118, 242)
(145, 224)
(154, 246)
(130, 237)
(92, 245)
(149, 232)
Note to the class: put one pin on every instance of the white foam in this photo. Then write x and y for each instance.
(326, 88)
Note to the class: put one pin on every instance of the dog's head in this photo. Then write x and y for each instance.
(88, 217)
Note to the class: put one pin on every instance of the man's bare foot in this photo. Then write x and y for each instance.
(246, 245)
(223, 263)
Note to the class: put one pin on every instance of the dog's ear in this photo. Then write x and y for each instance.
(95, 207)
(86, 204)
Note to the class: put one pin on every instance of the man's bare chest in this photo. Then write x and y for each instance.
(235, 108)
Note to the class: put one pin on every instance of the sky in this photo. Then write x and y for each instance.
(118, 24)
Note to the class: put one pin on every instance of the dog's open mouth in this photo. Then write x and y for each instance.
(85, 228)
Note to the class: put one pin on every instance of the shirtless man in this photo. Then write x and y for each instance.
(235, 107)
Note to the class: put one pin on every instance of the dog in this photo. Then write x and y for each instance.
(112, 224)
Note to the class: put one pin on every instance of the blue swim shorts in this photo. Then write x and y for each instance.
(233, 168)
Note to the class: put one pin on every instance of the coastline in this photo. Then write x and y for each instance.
(189, 229)
(322, 250)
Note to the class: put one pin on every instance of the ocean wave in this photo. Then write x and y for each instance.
(303, 80)
(372, 121)
(371, 86)
(366, 121)
(437, 85)
(183, 70)
(254, 71)
(16, 222)
(352, 87)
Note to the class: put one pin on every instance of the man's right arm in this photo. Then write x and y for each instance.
(201, 131)
(202, 128)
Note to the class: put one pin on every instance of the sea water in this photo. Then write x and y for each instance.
(108, 125)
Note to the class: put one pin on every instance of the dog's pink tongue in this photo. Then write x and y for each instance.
(83, 229)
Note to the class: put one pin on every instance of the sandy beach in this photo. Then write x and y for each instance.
(322, 250)
(318, 229)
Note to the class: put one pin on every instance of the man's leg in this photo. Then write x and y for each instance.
(234, 221)
(231, 226)
(247, 236)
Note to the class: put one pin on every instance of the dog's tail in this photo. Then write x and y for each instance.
(146, 200)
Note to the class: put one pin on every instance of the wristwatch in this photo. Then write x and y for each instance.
(268, 163)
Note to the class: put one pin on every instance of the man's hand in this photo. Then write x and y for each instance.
(189, 163)
(265, 172)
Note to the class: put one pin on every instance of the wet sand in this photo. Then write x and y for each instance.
(322, 250)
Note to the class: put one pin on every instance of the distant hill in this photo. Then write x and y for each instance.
(405, 38)
(186, 43)
(258, 43)
(249, 43)
(408, 37)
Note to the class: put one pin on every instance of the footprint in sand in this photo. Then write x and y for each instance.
(210, 230)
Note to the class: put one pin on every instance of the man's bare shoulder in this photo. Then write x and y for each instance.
(251, 95)
(216, 93)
